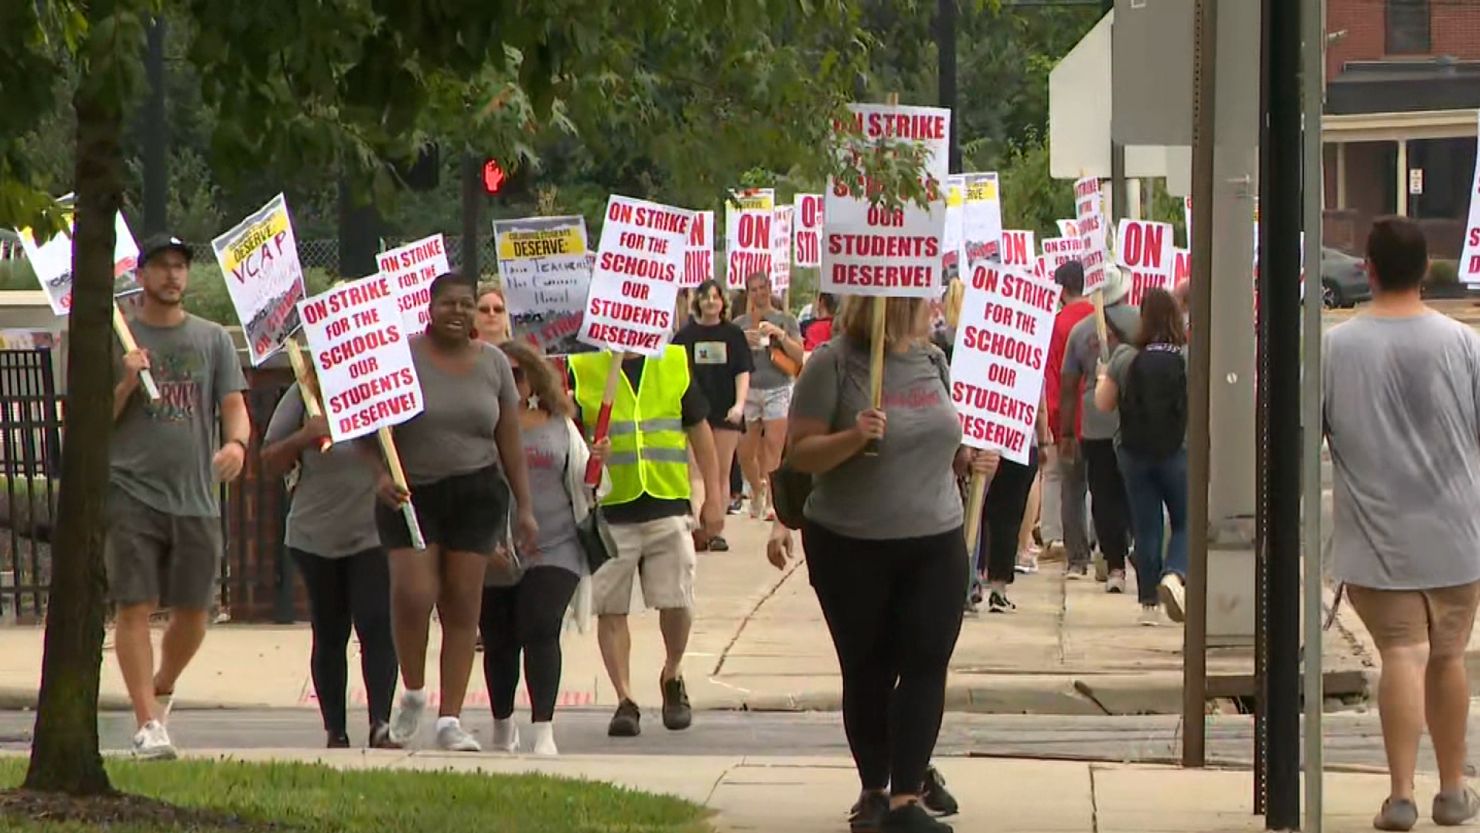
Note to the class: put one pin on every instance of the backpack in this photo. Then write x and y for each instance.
(1153, 403)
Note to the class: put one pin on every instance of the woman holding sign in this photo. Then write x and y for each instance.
(456, 454)
(776, 353)
(884, 545)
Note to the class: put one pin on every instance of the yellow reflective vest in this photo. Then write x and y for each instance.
(650, 451)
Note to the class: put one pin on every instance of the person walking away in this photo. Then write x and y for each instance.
(524, 605)
(657, 416)
(331, 536)
(1147, 382)
(167, 462)
(819, 330)
(722, 364)
(776, 354)
(1402, 420)
(884, 546)
(1087, 435)
(492, 322)
(1064, 481)
(457, 454)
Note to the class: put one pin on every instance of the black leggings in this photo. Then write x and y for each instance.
(525, 617)
(356, 590)
(1002, 517)
(1109, 506)
(894, 611)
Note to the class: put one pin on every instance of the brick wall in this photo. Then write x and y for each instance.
(1454, 30)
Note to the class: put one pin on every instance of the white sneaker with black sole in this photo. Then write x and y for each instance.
(1173, 595)
(152, 743)
(999, 603)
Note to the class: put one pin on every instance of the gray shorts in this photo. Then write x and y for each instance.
(154, 557)
(767, 404)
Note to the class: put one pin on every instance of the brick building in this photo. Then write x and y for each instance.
(1402, 89)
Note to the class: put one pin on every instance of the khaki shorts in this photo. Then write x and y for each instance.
(767, 404)
(156, 558)
(1442, 617)
(662, 552)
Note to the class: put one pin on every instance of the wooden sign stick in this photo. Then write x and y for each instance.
(398, 475)
(877, 334)
(126, 338)
(306, 387)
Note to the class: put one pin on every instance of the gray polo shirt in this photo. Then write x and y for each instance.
(1082, 352)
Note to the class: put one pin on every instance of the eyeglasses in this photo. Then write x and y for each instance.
(487, 310)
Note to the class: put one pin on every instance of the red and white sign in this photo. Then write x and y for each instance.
(1181, 267)
(1000, 356)
(411, 270)
(781, 224)
(358, 339)
(634, 285)
(749, 215)
(875, 250)
(1068, 228)
(1087, 198)
(698, 263)
(1093, 254)
(1145, 250)
(1187, 219)
(953, 242)
(808, 217)
(52, 263)
(1018, 249)
(981, 219)
(1060, 250)
(1469, 260)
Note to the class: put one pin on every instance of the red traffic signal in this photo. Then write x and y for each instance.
(493, 176)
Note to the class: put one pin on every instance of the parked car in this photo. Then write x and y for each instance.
(1343, 279)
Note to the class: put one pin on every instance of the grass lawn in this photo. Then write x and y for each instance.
(232, 797)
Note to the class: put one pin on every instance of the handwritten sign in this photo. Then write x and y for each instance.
(634, 286)
(981, 217)
(1145, 250)
(698, 261)
(876, 250)
(358, 339)
(1000, 356)
(411, 269)
(748, 245)
(542, 262)
(781, 224)
(808, 248)
(259, 259)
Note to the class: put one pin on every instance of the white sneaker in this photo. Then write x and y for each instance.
(152, 743)
(505, 735)
(1116, 582)
(452, 737)
(408, 718)
(163, 705)
(1150, 616)
(544, 740)
(1173, 595)
(1027, 563)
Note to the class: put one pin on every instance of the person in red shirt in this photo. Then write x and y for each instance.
(1071, 474)
(819, 330)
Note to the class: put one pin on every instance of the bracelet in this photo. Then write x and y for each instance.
(242, 443)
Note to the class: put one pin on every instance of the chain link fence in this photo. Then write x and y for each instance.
(324, 253)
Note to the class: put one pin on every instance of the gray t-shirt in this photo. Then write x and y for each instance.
(1081, 355)
(333, 511)
(161, 453)
(454, 434)
(766, 375)
(909, 489)
(1402, 412)
(546, 453)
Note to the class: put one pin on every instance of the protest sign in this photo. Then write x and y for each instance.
(52, 262)
(698, 261)
(546, 276)
(1060, 250)
(1144, 249)
(634, 287)
(359, 343)
(1181, 267)
(259, 260)
(1018, 249)
(1469, 261)
(1187, 218)
(748, 246)
(1087, 199)
(880, 251)
(981, 218)
(953, 242)
(411, 270)
(1000, 356)
(1068, 228)
(808, 219)
(781, 224)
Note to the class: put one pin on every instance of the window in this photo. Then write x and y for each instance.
(1408, 27)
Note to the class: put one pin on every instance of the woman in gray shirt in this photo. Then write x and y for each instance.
(884, 545)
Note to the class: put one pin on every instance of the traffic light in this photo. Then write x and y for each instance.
(493, 176)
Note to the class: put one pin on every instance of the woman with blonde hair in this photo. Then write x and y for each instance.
(882, 535)
(493, 315)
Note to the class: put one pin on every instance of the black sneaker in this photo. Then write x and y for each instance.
(338, 740)
(936, 798)
(677, 715)
(912, 818)
(627, 722)
(998, 603)
(867, 816)
(380, 737)
(718, 544)
(737, 505)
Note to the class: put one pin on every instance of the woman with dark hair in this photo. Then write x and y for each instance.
(525, 598)
(462, 454)
(882, 535)
(1147, 380)
(722, 363)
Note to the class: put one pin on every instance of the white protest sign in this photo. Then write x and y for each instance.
(953, 242)
(748, 246)
(634, 286)
(359, 343)
(259, 259)
(1087, 199)
(546, 277)
(1182, 267)
(781, 224)
(1000, 356)
(981, 217)
(808, 217)
(1018, 249)
(1145, 250)
(875, 250)
(698, 260)
(411, 269)
(1093, 254)
(1469, 260)
(1068, 228)
(52, 262)
(1060, 250)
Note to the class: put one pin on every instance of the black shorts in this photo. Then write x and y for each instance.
(465, 512)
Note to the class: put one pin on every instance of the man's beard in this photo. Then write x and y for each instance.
(163, 301)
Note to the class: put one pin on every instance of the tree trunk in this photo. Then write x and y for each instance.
(65, 757)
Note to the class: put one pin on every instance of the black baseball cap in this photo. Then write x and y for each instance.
(156, 243)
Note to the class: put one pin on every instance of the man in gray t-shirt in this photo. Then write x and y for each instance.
(168, 461)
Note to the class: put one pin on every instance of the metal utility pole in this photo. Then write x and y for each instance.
(359, 234)
(945, 47)
(1280, 216)
(472, 212)
(156, 135)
